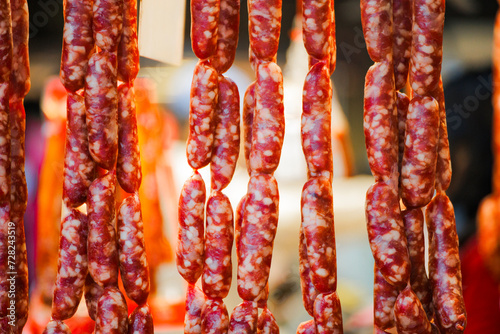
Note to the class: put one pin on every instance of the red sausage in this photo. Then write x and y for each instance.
(244, 318)
(18, 187)
(227, 35)
(418, 168)
(191, 241)
(268, 128)
(445, 276)
(264, 25)
(20, 70)
(102, 243)
(56, 327)
(72, 266)
(443, 164)
(214, 317)
(78, 43)
(93, 292)
(318, 227)
(316, 128)
(128, 48)
(5, 44)
(226, 147)
(402, 103)
(414, 227)
(379, 120)
(134, 268)
(376, 17)
(112, 316)
(4, 142)
(309, 292)
(317, 27)
(107, 24)
(141, 321)
(402, 26)
(307, 327)
(195, 300)
(328, 314)
(128, 165)
(410, 315)
(386, 234)
(101, 101)
(203, 103)
(217, 270)
(427, 45)
(79, 168)
(384, 297)
(267, 323)
(204, 27)
(258, 230)
(247, 121)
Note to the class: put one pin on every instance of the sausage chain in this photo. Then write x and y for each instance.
(263, 132)
(488, 226)
(317, 250)
(410, 300)
(14, 85)
(100, 48)
(445, 279)
(387, 45)
(206, 234)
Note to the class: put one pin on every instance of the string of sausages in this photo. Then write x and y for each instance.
(487, 218)
(263, 131)
(206, 237)
(408, 152)
(100, 48)
(14, 85)
(317, 253)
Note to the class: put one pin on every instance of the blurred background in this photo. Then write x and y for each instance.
(163, 102)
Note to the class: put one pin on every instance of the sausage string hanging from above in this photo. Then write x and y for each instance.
(14, 85)
(408, 164)
(317, 252)
(100, 48)
(206, 237)
(263, 131)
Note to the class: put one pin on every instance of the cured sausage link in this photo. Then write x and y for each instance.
(386, 234)
(258, 230)
(191, 240)
(379, 120)
(134, 268)
(128, 166)
(418, 168)
(317, 224)
(244, 318)
(204, 27)
(226, 136)
(217, 271)
(376, 18)
(79, 168)
(264, 25)
(78, 43)
(316, 122)
(445, 276)
(102, 243)
(414, 227)
(268, 127)
(203, 103)
(72, 265)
